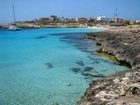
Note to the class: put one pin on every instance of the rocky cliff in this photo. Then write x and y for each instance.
(122, 88)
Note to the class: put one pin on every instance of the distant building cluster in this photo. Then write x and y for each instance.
(88, 21)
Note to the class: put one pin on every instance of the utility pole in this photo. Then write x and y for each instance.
(116, 14)
(14, 15)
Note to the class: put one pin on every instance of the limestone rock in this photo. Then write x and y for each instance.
(122, 88)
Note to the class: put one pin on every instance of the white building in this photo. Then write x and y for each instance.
(103, 18)
(137, 21)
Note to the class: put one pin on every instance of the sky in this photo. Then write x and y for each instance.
(31, 9)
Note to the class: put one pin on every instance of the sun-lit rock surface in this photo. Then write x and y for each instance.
(122, 88)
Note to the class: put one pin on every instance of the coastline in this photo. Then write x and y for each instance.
(72, 25)
(56, 25)
(109, 43)
(98, 28)
(122, 88)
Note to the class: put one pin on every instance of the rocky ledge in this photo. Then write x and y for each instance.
(122, 88)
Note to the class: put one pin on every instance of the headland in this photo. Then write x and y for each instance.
(122, 88)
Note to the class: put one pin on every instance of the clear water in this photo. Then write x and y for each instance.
(36, 66)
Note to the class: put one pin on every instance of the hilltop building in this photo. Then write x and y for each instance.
(103, 19)
(53, 18)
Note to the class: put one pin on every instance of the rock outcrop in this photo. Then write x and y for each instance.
(122, 88)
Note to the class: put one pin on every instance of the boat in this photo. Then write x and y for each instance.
(13, 26)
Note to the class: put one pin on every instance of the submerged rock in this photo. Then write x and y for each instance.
(40, 37)
(87, 68)
(75, 70)
(56, 103)
(90, 36)
(81, 63)
(49, 65)
(93, 74)
(95, 62)
(69, 84)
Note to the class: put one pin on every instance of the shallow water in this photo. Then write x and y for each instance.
(49, 66)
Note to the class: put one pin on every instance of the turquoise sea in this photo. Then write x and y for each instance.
(50, 66)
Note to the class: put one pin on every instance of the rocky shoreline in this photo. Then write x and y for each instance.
(122, 88)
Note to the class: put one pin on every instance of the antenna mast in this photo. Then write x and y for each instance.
(116, 14)
(14, 15)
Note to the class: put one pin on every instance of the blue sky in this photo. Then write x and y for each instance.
(31, 9)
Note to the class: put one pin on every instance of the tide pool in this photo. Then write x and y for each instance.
(49, 66)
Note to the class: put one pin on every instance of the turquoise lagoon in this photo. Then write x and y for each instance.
(45, 66)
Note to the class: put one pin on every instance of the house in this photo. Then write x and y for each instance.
(62, 19)
(137, 21)
(53, 18)
(81, 19)
(103, 18)
(44, 19)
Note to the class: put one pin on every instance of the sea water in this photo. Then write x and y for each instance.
(49, 66)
